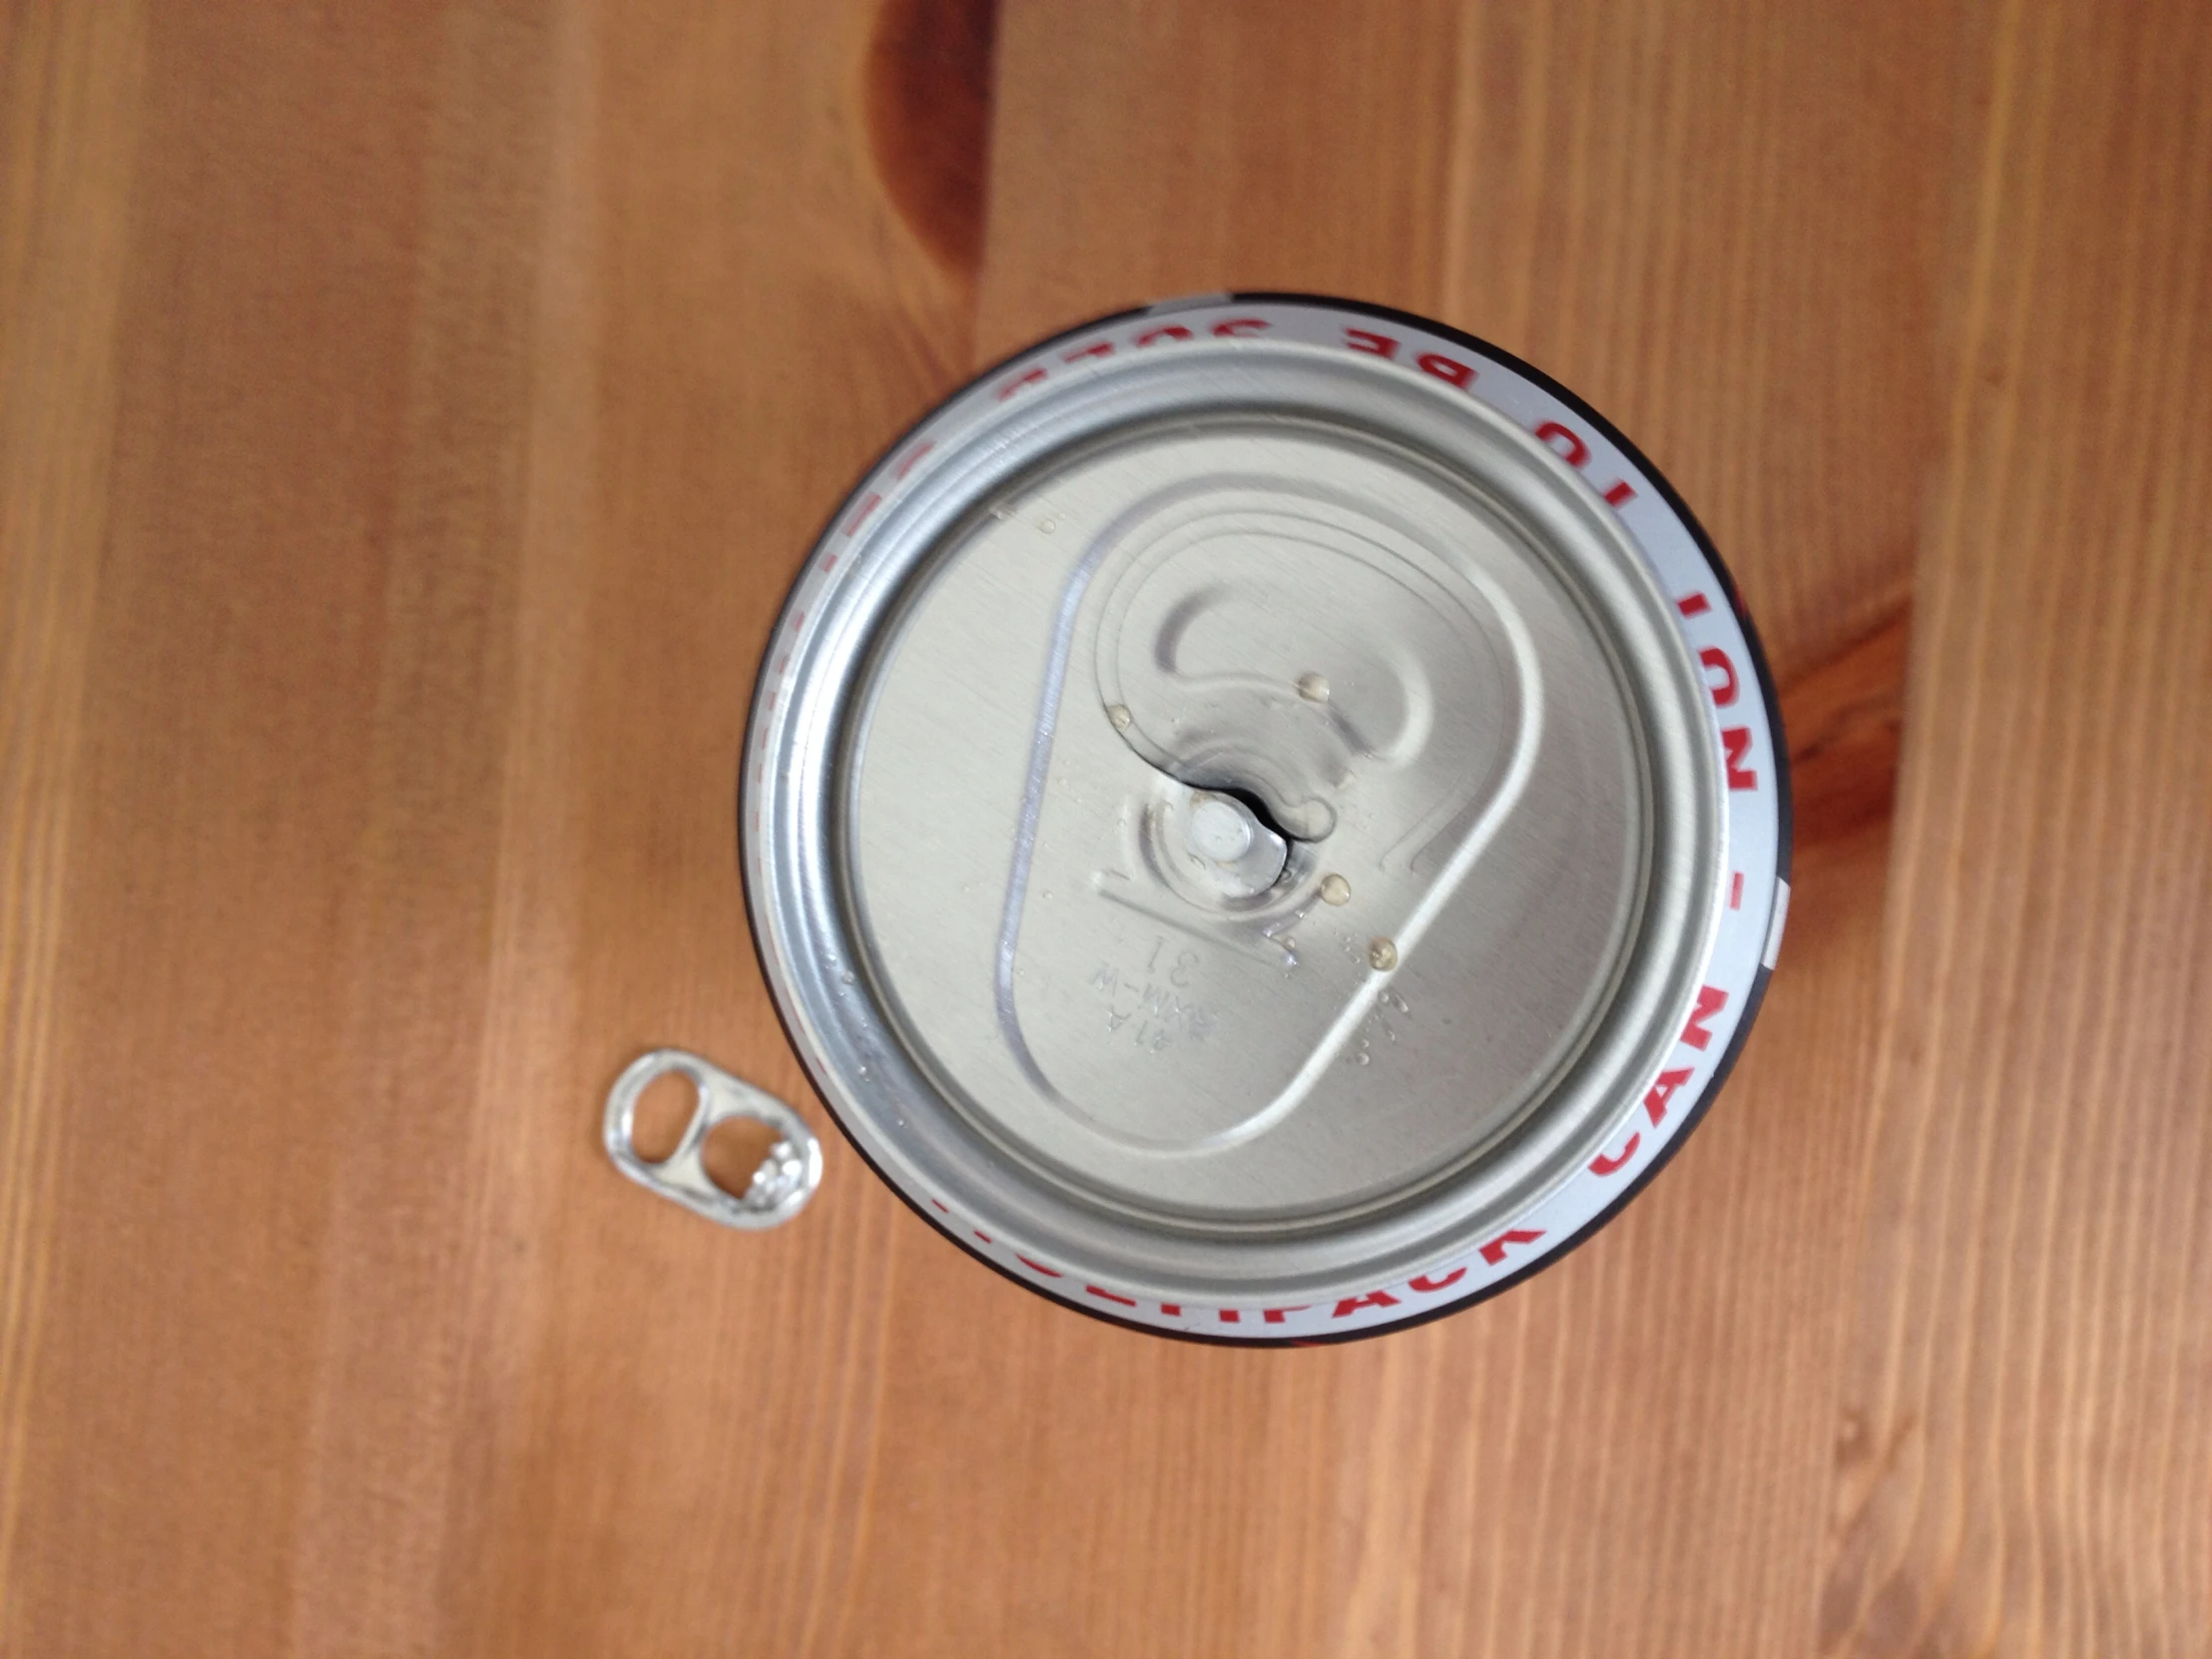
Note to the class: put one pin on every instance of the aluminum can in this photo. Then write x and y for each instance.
(1263, 818)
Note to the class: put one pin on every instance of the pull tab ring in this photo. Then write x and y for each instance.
(781, 1187)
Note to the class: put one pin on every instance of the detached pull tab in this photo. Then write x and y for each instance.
(786, 1178)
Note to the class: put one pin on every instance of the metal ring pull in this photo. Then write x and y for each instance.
(786, 1178)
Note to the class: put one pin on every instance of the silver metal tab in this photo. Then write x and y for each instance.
(781, 1187)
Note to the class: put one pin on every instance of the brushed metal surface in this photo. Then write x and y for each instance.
(1403, 634)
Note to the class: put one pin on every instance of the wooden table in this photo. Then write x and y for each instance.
(410, 415)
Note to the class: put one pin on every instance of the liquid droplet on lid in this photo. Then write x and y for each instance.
(1381, 955)
(1334, 889)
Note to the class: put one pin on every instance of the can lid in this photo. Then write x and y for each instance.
(1257, 808)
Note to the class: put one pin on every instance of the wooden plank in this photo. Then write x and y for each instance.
(267, 1008)
(69, 90)
(480, 376)
(2024, 1455)
(1145, 148)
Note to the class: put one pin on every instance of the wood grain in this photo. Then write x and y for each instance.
(409, 418)
(68, 93)
(2024, 1457)
(462, 451)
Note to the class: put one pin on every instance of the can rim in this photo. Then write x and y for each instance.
(1754, 995)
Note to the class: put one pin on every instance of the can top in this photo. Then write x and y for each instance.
(1250, 811)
